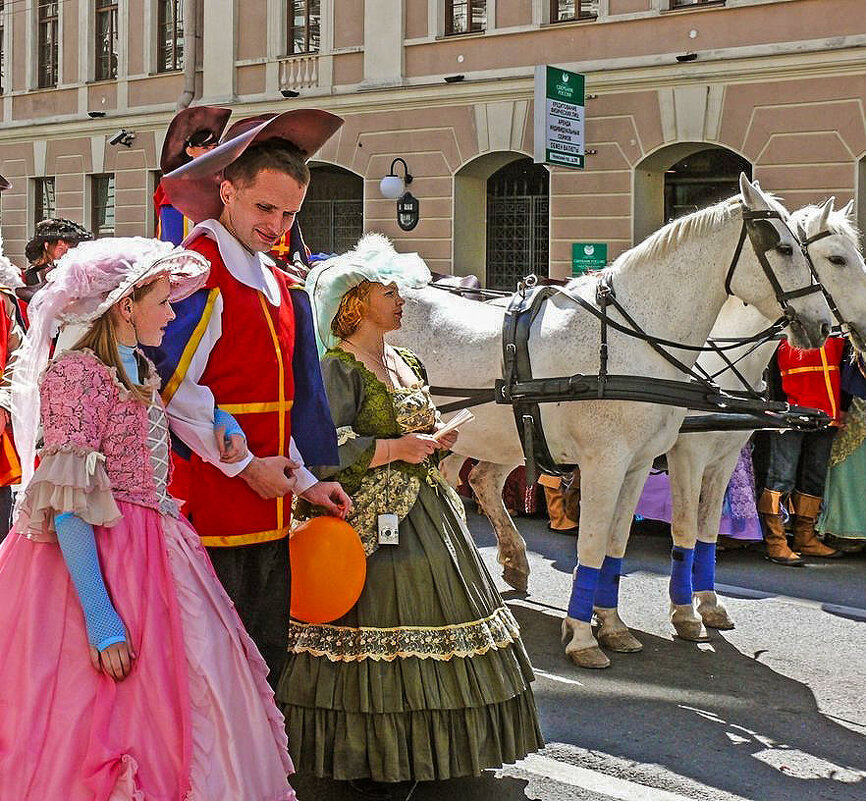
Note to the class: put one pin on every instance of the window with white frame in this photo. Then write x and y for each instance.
(2, 47)
(47, 43)
(303, 32)
(102, 204)
(43, 199)
(690, 3)
(106, 40)
(566, 10)
(169, 42)
(465, 16)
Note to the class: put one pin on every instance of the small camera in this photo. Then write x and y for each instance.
(122, 137)
(389, 532)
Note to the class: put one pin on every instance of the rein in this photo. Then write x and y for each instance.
(728, 410)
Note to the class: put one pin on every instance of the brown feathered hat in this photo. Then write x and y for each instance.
(193, 188)
(197, 125)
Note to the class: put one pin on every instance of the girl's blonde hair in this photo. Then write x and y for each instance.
(351, 310)
(101, 339)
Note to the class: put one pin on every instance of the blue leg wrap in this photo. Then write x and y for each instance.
(607, 591)
(682, 560)
(583, 593)
(704, 575)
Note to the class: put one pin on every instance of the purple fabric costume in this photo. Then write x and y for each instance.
(739, 511)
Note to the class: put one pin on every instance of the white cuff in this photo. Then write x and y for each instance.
(304, 479)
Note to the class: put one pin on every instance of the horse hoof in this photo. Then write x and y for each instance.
(691, 630)
(621, 641)
(514, 578)
(716, 618)
(592, 658)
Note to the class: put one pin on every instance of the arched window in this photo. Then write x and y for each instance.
(332, 217)
(702, 179)
(518, 228)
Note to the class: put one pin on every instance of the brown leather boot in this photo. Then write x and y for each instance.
(769, 508)
(805, 539)
(554, 496)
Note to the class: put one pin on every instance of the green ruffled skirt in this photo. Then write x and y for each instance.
(425, 679)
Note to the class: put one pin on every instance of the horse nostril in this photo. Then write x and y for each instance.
(825, 329)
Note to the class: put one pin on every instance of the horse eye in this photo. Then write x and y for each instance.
(785, 249)
(839, 261)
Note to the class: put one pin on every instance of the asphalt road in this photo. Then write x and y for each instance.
(774, 710)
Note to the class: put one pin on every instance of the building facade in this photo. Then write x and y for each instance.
(682, 95)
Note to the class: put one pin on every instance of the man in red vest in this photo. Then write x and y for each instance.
(241, 353)
(798, 459)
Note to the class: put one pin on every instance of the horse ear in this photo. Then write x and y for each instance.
(824, 216)
(753, 197)
(848, 209)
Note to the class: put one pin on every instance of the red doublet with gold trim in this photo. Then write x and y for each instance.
(811, 377)
(250, 375)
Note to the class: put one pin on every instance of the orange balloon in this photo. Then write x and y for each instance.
(329, 567)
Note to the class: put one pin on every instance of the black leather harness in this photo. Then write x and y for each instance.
(725, 410)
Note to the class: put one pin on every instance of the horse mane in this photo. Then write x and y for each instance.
(659, 244)
(838, 222)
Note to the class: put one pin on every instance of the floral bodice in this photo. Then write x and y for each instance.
(97, 436)
(364, 409)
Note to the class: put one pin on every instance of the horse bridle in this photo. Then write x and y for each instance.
(845, 325)
(756, 226)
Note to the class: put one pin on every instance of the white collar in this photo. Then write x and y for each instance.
(252, 270)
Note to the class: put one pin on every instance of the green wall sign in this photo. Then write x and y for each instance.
(588, 256)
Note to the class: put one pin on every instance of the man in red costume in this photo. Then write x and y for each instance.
(242, 349)
(798, 459)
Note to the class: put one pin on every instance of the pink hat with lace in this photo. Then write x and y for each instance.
(87, 282)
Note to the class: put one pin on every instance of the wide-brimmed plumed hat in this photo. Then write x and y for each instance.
(193, 188)
(87, 281)
(205, 123)
(5, 184)
(372, 259)
(52, 230)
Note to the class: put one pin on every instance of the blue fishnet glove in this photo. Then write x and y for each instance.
(78, 544)
(221, 418)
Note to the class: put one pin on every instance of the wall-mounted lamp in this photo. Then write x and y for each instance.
(453, 78)
(687, 57)
(392, 185)
(94, 115)
(289, 92)
(123, 137)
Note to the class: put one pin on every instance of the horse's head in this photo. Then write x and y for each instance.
(773, 274)
(832, 240)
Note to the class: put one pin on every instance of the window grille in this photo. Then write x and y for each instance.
(518, 227)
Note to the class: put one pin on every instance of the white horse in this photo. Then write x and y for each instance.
(701, 464)
(673, 285)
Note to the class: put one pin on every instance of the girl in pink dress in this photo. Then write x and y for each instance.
(125, 672)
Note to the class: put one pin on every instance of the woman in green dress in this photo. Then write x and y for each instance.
(426, 678)
(844, 512)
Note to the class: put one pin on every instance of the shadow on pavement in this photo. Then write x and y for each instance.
(469, 789)
(699, 714)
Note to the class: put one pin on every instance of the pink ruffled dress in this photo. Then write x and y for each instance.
(195, 720)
